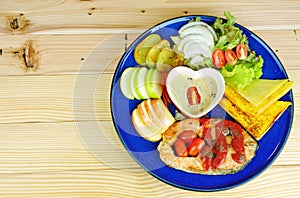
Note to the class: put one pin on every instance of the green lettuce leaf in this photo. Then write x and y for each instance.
(244, 72)
(229, 35)
(239, 77)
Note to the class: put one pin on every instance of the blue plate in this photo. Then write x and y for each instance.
(145, 152)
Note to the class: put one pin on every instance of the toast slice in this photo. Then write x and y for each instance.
(257, 125)
(255, 99)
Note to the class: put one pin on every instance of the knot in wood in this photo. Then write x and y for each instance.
(16, 23)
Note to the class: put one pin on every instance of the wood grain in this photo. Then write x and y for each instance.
(43, 150)
(53, 162)
(68, 54)
(118, 183)
(65, 15)
(63, 54)
(51, 98)
(44, 147)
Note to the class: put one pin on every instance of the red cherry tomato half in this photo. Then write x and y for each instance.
(230, 57)
(193, 95)
(180, 148)
(239, 157)
(218, 58)
(218, 160)
(187, 136)
(195, 147)
(238, 145)
(221, 144)
(206, 162)
(241, 51)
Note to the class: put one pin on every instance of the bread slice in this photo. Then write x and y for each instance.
(257, 125)
(266, 96)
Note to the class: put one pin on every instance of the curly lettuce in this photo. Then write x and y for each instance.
(244, 72)
(229, 35)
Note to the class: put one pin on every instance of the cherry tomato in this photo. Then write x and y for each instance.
(238, 157)
(206, 162)
(180, 148)
(241, 51)
(221, 144)
(218, 58)
(214, 153)
(236, 130)
(193, 95)
(218, 160)
(204, 121)
(238, 145)
(195, 147)
(187, 136)
(230, 57)
(207, 134)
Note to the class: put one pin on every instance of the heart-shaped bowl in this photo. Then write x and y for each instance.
(195, 93)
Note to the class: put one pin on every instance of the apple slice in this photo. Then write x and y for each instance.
(125, 83)
(147, 83)
(142, 128)
(148, 115)
(164, 116)
(153, 83)
(151, 113)
(139, 83)
(132, 83)
(151, 119)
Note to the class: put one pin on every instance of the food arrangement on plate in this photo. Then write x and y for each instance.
(202, 67)
(202, 103)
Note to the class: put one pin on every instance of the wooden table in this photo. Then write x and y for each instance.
(55, 95)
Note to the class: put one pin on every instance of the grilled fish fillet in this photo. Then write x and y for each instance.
(194, 164)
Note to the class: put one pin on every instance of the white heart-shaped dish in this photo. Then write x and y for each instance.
(195, 93)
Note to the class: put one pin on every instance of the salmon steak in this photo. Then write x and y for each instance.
(208, 146)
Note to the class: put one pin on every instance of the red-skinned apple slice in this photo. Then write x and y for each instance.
(151, 119)
(151, 113)
(147, 115)
(142, 129)
(165, 118)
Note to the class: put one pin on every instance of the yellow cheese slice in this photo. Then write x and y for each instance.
(260, 89)
(252, 110)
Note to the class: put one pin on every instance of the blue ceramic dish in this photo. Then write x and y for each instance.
(145, 152)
